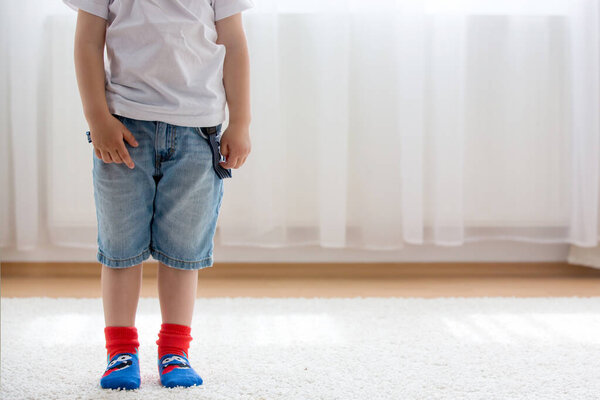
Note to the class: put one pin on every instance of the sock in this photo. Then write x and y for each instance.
(123, 368)
(173, 365)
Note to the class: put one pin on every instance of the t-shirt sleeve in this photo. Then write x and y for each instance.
(96, 7)
(227, 8)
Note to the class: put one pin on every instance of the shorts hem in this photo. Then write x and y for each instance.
(124, 262)
(180, 264)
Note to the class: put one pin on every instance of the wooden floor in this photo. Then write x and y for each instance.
(323, 280)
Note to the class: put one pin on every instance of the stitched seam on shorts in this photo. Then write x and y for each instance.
(174, 139)
(175, 259)
(156, 155)
(124, 259)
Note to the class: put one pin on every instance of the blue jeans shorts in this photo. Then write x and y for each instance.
(166, 206)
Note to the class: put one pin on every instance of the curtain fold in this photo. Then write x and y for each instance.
(585, 123)
(374, 124)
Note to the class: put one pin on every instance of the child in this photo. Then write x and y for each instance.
(159, 157)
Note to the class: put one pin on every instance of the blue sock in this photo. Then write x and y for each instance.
(175, 370)
(122, 372)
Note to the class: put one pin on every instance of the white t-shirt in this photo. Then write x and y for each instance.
(163, 60)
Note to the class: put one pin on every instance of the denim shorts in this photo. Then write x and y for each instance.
(166, 206)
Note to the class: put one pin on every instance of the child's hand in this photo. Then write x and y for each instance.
(235, 145)
(107, 137)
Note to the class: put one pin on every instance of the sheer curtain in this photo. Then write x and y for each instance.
(374, 124)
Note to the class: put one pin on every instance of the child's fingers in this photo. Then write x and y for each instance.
(238, 162)
(115, 156)
(241, 160)
(98, 154)
(124, 154)
(235, 160)
(106, 157)
(224, 149)
(225, 164)
(231, 161)
(128, 136)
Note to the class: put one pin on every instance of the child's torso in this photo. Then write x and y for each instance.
(163, 54)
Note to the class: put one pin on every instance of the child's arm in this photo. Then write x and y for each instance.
(106, 131)
(235, 142)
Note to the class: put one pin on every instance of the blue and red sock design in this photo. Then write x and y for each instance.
(173, 365)
(119, 363)
(123, 368)
(171, 361)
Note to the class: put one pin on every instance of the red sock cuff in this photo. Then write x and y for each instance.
(121, 339)
(173, 339)
(176, 328)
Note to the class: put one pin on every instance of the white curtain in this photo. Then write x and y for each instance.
(375, 123)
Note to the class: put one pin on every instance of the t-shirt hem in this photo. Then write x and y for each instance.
(179, 120)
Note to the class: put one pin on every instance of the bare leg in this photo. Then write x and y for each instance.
(120, 294)
(177, 294)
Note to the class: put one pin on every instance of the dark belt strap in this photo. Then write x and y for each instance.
(210, 134)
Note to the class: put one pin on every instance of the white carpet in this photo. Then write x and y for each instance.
(361, 348)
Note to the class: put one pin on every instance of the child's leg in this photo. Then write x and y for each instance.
(177, 294)
(187, 202)
(124, 199)
(120, 294)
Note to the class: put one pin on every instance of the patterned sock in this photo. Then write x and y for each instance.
(123, 369)
(173, 365)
